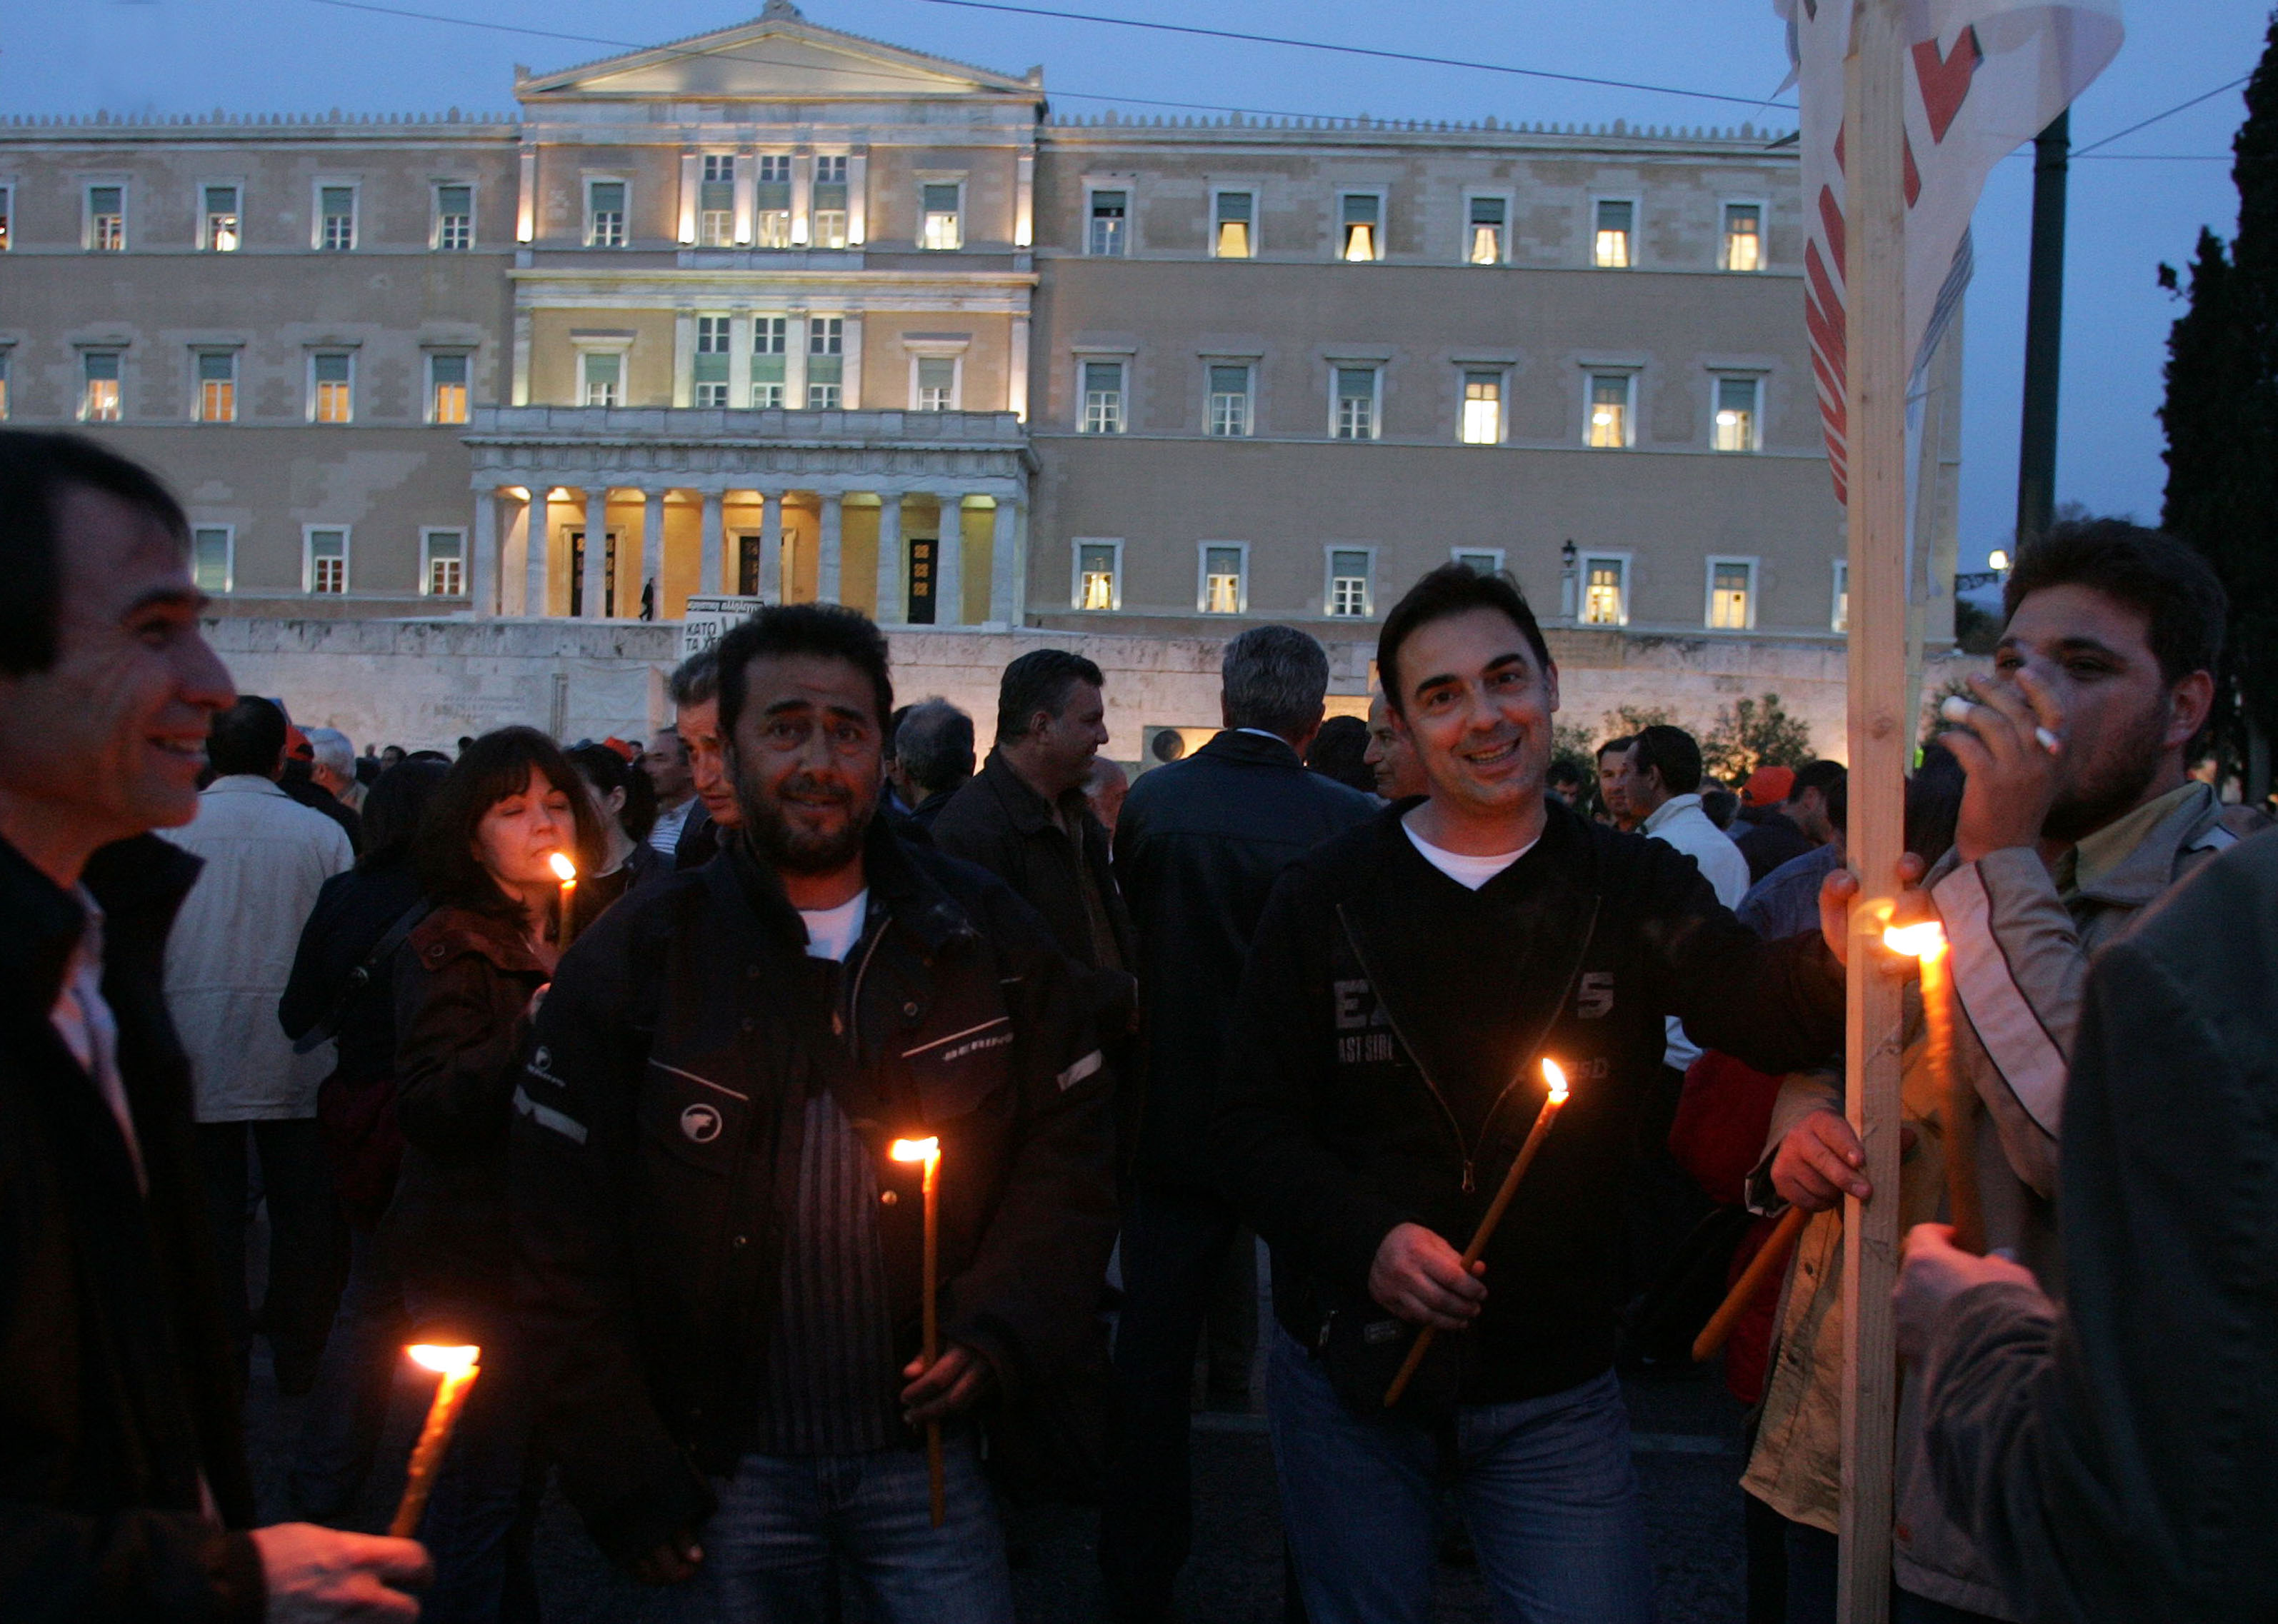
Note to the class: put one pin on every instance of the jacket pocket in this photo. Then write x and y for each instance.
(694, 1120)
(956, 1072)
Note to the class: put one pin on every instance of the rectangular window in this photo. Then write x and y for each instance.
(1482, 408)
(336, 218)
(454, 217)
(711, 360)
(769, 334)
(333, 384)
(1098, 565)
(1488, 223)
(7, 217)
(447, 388)
(829, 204)
(1609, 410)
(99, 389)
(1224, 590)
(1229, 400)
(936, 383)
(1106, 235)
(771, 202)
(220, 224)
(1234, 225)
(605, 214)
(826, 362)
(1605, 592)
(216, 386)
(444, 574)
(1744, 237)
(106, 219)
(1484, 562)
(1735, 426)
(1362, 218)
(1841, 620)
(1103, 398)
(5, 356)
(1732, 594)
(1355, 416)
(943, 226)
(604, 378)
(1610, 250)
(715, 201)
(1348, 593)
(327, 560)
(210, 561)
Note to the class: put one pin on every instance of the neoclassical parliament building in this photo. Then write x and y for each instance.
(782, 312)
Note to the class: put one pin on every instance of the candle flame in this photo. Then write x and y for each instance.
(564, 870)
(444, 1360)
(1556, 1079)
(916, 1149)
(1924, 939)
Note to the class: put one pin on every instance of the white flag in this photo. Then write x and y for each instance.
(1983, 77)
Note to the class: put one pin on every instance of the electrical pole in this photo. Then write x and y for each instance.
(2036, 439)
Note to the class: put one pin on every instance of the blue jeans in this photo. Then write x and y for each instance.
(1547, 1486)
(482, 1518)
(771, 1551)
(339, 1431)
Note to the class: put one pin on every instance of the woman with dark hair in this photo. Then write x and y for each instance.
(625, 805)
(462, 994)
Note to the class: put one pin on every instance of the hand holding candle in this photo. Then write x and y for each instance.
(458, 1367)
(1552, 1104)
(929, 1152)
(566, 924)
(1925, 943)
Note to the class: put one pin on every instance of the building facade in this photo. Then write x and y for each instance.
(780, 312)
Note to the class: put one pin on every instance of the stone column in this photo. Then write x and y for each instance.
(949, 565)
(537, 579)
(827, 552)
(1001, 573)
(771, 581)
(482, 568)
(514, 560)
(593, 583)
(708, 565)
(893, 569)
(653, 550)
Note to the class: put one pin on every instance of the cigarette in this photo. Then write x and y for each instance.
(1957, 709)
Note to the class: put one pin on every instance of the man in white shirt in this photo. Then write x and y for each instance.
(666, 763)
(228, 961)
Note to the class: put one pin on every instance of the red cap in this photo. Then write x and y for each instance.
(297, 745)
(1768, 786)
(613, 742)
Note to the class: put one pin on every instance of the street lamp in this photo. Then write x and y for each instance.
(1997, 561)
(1566, 556)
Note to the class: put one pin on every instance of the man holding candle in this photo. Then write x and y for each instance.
(1382, 1072)
(716, 1240)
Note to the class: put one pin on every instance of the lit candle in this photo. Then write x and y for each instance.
(566, 871)
(1553, 1103)
(929, 1152)
(1925, 943)
(458, 1367)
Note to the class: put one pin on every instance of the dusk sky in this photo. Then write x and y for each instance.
(2134, 203)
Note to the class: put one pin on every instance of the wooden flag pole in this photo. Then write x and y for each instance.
(1881, 737)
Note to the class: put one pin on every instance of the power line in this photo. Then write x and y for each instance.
(2082, 152)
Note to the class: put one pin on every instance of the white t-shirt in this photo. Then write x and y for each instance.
(1469, 872)
(665, 835)
(832, 933)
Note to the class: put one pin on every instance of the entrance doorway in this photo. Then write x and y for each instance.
(608, 574)
(924, 552)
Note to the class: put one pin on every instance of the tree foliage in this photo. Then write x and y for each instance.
(1753, 733)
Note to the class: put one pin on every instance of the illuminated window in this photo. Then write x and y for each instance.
(936, 383)
(455, 218)
(1732, 594)
(1103, 398)
(769, 334)
(1735, 426)
(1605, 592)
(336, 218)
(447, 389)
(1609, 410)
(1098, 567)
(212, 562)
(1744, 237)
(829, 200)
(605, 214)
(1840, 620)
(325, 563)
(1348, 593)
(1611, 248)
(826, 362)
(443, 574)
(7, 217)
(1482, 408)
(604, 378)
(99, 386)
(711, 360)
(1484, 246)
(715, 201)
(220, 229)
(1354, 415)
(1229, 400)
(332, 383)
(1224, 586)
(771, 202)
(1106, 235)
(1235, 215)
(217, 386)
(1362, 215)
(5, 356)
(106, 219)
(943, 228)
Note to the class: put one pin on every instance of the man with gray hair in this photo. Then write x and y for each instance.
(332, 765)
(1199, 845)
(933, 756)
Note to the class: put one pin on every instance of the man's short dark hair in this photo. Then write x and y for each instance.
(247, 737)
(36, 470)
(894, 728)
(829, 630)
(1040, 679)
(1820, 776)
(1616, 746)
(1674, 753)
(934, 746)
(1451, 589)
(1564, 772)
(2149, 571)
(1274, 678)
(697, 678)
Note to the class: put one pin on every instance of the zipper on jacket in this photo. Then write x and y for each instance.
(854, 998)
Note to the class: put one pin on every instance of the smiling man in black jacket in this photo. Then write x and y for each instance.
(1382, 1071)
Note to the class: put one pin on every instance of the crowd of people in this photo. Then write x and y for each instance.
(664, 1143)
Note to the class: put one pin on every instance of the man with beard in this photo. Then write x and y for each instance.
(2113, 634)
(715, 1235)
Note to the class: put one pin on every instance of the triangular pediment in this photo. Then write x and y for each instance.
(776, 57)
